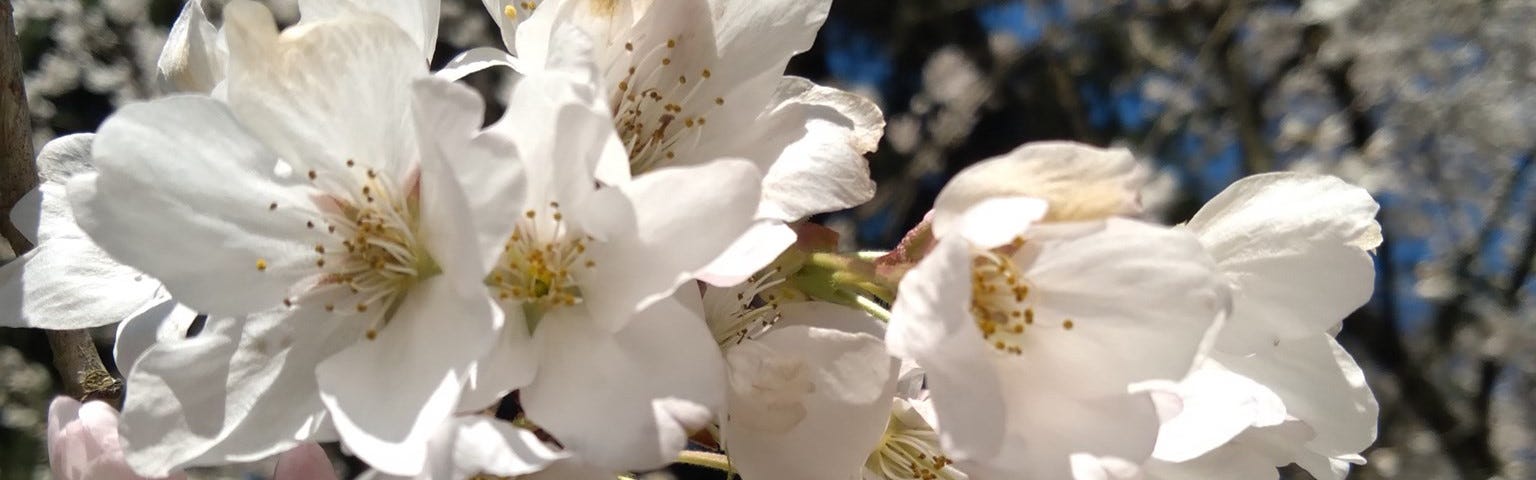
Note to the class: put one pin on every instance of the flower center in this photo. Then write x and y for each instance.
(739, 313)
(1000, 302)
(910, 450)
(370, 252)
(659, 104)
(539, 262)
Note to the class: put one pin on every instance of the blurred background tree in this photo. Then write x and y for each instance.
(1430, 104)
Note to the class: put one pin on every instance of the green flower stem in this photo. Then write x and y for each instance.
(871, 255)
(705, 459)
(871, 307)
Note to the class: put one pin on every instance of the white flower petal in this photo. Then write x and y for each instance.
(994, 222)
(477, 59)
(142, 329)
(486, 168)
(388, 395)
(1231, 461)
(27, 215)
(581, 136)
(844, 416)
(243, 389)
(1119, 426)
(67, 284)
(1126, 304)
(64, 157)
(1217, 406)
(1079, 182)
(765, 33)
(417, 18)
(931, 325)
(829, 315)
(626, 400)
(511, 364)
(570, 470)
(179, 179)
(657, 230)
(815, 156)
(325, 94)
(191, 60)
(1322, 386)
(495, 447)
(1294, 246)
(758, 247)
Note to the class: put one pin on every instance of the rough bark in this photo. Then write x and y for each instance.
(74, 353)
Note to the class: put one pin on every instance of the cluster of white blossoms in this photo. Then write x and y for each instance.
(314, 238)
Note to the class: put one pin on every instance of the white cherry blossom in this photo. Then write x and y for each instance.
(1276, 388)
(689, 81)
(1044, 338)
(809, 397)
(607, 353)
(306, 198)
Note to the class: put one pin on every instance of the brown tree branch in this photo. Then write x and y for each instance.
(74, 353)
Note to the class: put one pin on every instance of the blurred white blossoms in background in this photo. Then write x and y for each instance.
(618, 274)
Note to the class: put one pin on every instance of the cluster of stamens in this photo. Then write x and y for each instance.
(652, 104)
(1000, 300)
(539, 261)
(370, 254)
(910, 450)
(739, 313)
(511, 10)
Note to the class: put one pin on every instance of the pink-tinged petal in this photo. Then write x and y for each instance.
(231, 246)
(844, 416)
(626, 400)
(389, 394)
(931, 325)
(758, 247)
(1079, 182)
(305, 462)
(83, 443)
(657, 230)
(1268, 231)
